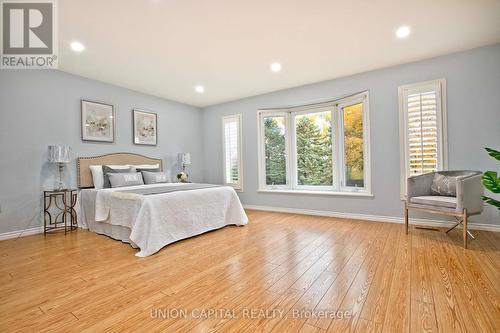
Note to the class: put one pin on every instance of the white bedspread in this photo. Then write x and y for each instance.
(85, 208)
(160, 219)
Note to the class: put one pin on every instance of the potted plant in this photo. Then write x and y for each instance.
(183, 177)
(491, 180)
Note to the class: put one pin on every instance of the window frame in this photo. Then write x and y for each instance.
(362, 99)
(261, 149)
(439, 85)
(293, 155)
(239, 185)
(290, 114)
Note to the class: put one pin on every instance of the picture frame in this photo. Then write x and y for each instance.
(97, 121)
(145, 129)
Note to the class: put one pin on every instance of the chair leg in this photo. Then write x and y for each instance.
(459, 221)
(464, 219)
(406, 218)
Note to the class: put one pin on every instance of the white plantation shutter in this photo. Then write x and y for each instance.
(423, 129)
(422, 132)
(232, 151)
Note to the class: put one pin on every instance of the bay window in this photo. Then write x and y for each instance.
(320, 148)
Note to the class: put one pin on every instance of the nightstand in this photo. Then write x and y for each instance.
(59, 210)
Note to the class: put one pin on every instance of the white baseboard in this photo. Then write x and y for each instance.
(376, 218)
(21, 233)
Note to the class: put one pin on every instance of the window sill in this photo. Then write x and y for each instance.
(327, 193)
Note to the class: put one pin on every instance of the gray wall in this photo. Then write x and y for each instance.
(473, 89)
(42, 107)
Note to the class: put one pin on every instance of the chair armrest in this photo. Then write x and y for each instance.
(417, 186)
(469, 194)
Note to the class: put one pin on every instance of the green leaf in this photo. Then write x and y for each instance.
(492, 202)
(493, 153)
(491, 181)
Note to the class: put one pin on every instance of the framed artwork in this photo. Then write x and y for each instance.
(145, 127)
(98, 122)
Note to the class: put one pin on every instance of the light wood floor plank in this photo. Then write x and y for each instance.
(450, 318)
(374, 309)
(332, 299)
(423, 317)
(358, 291)
(468, 295)
(397, 317)
(420, 284)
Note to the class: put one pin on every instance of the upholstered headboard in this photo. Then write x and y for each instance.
(83, 163)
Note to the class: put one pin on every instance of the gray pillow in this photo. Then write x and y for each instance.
(125, 179)
(147, 169)
(154, 177)
(107, 170)
(444, 185)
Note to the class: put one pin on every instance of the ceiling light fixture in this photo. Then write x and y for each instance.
(199, 89)
(77, 46)
(276, 67)
(403, 32)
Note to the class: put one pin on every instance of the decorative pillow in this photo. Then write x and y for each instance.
(125, 179)
(444, 185)
(98, 176)
(106, 170)
(154, 177)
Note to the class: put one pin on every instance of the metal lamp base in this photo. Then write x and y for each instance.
(60, 185)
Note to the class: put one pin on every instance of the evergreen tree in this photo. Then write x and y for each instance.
(234, 172)
(274, 152)
(327, 151)
(314, 152)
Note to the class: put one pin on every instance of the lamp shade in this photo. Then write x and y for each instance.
(59, 154)
(185, 158)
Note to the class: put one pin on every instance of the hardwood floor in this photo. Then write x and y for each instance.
(311, 274)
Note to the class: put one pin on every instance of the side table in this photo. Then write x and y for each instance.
(59, 210)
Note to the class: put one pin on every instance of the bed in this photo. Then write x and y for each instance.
(149, 217)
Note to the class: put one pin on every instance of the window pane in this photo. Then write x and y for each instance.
(353, 145)
(275, 150)
(231, 138)
(314, 148)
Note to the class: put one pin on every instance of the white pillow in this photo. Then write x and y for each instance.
(98, 176)
(145, 166)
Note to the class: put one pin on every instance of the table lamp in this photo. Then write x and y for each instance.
(60, 155)
(185, 160)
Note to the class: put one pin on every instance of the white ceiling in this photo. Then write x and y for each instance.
(166, 47)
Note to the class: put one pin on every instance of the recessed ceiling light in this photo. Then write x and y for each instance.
(403, 32)
(77, 46)
(275, 66)
(199, 89)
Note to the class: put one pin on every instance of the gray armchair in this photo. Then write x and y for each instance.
(467, 201)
